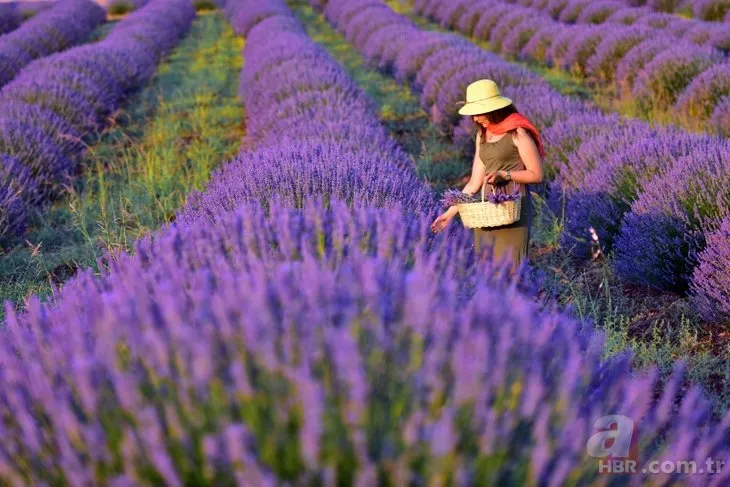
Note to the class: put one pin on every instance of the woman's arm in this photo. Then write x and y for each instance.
(478, 171)
(532, 174)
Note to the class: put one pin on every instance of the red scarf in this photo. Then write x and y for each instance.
(515, 121)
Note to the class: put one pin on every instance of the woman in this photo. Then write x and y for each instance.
(508, 151)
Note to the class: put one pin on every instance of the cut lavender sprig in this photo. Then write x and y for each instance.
(453, 197)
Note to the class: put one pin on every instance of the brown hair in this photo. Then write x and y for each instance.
(495, 117)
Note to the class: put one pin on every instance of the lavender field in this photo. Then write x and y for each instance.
(218, 267)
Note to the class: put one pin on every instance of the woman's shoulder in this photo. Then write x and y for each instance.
(521, 136)
(519, 132)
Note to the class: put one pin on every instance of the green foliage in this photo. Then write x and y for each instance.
(120, 8)
(205, 5)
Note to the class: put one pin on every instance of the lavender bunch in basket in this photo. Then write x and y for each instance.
(453, 197)
(498, 198)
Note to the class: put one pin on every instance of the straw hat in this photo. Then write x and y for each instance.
(483, 96)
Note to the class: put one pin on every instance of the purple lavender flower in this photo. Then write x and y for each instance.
(601, 196)
(627, 15)
(10, 17)
(562, 42)
(572, 11)
(613, 47)
(506, 24)
(664, 78)
(710, 286)
(515, 41)
(490, 18)
(666, 229)
(37, 152)
(469, 18)
(67, 23)
(708, 34)
(583, 46)
(540, 43)
(597, 13)
(721, 117)
(636, 58)
(703, 94)
(18, 194)
(453, 197)
(712, 10)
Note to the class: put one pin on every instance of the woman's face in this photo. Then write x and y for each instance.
(480, 119)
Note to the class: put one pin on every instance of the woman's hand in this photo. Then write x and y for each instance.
(495, 177)
(442, 221)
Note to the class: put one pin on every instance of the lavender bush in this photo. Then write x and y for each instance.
(665, 231)
(704, 34)
(597, 13)
(713, 10)
(668, 74)
(636, 58)
(710, 286)
(613, 48)
(539, 45)
(69, 22)
(18, 194)
(489, 19)
(573, 10)
(721, 117)
(556, 7)
(701, 97)
(505, 26)
(562, 43)
(627, 15)
(10, 17)
(469, 18)
(600, 197)
(452, 13)
(580, 49)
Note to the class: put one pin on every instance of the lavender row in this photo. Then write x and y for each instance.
(10, 17)
(69, 22)
(631, 51)
(303, 339)
(656, 12)
(58, 103)
(575, 14)
(710, 10)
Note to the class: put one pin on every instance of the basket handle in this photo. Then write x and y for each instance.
(483, 185)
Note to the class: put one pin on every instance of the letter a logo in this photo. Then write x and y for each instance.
(613, 439)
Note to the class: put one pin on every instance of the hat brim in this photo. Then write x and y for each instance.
(479, 107)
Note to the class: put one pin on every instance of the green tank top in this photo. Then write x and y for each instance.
(503, 155)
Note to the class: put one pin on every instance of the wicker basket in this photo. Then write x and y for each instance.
(485, 214)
